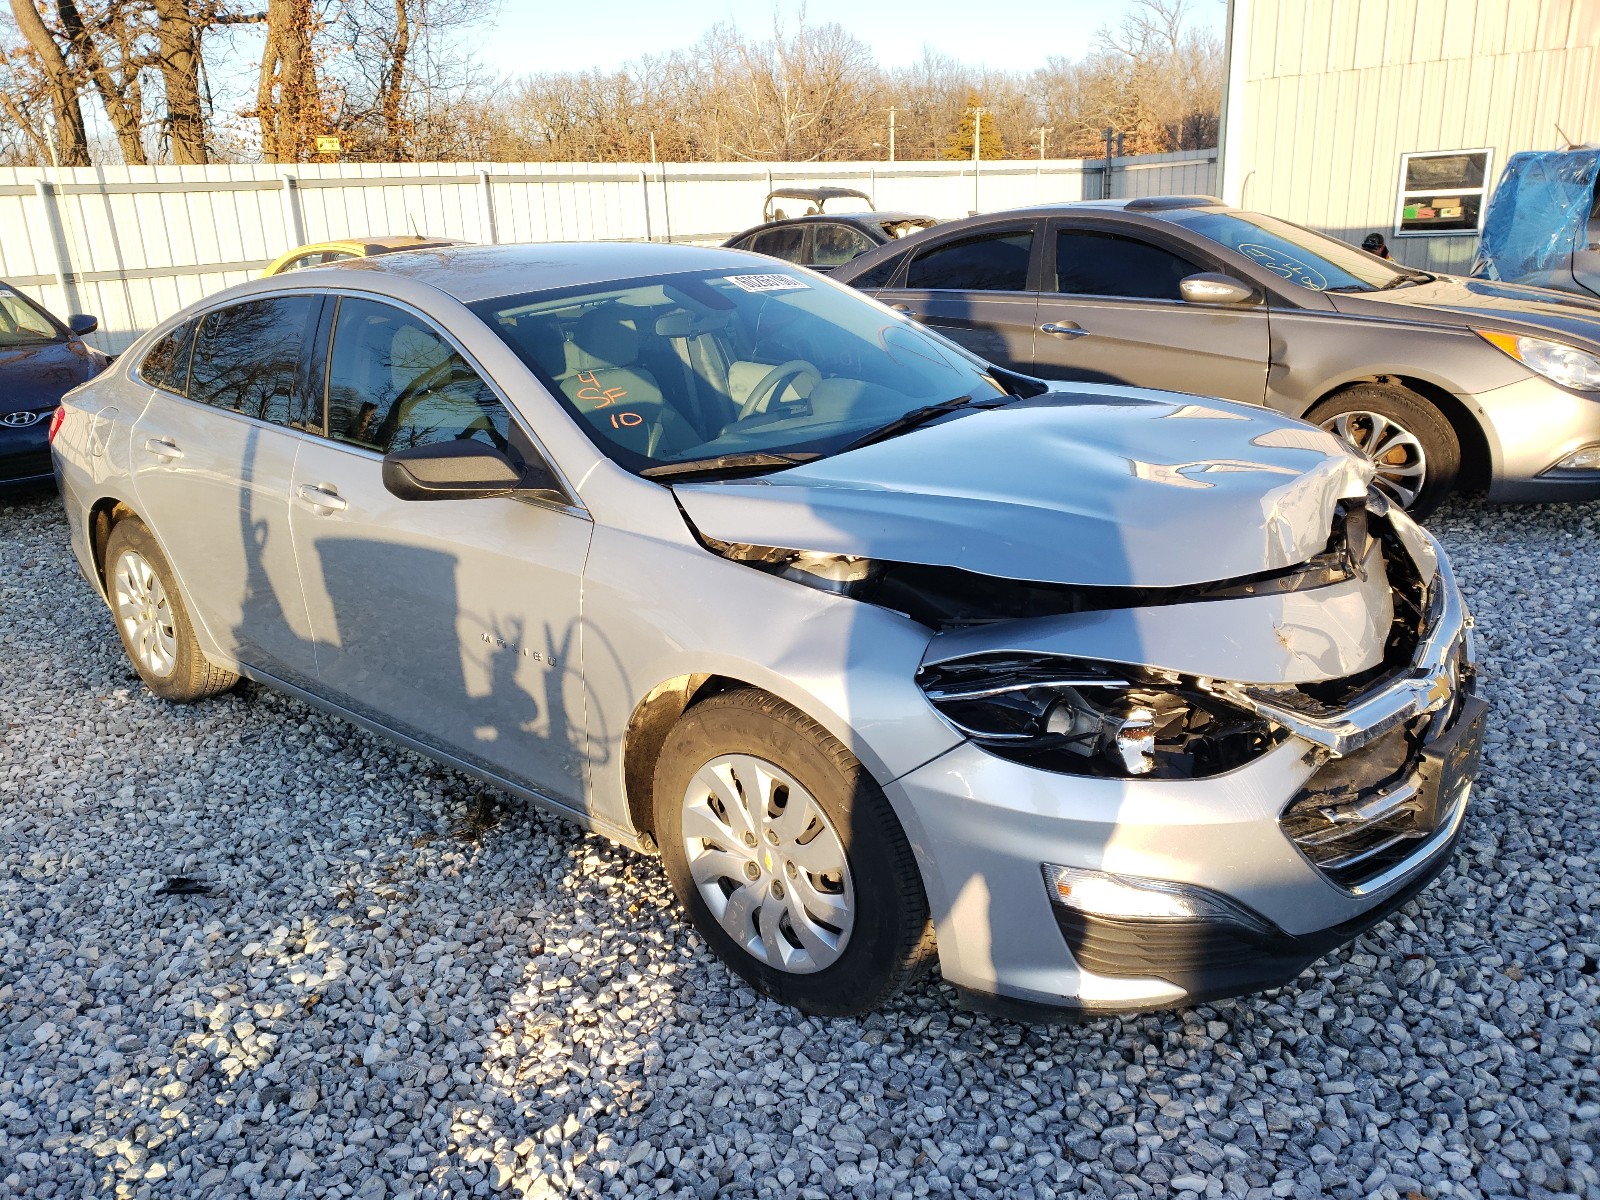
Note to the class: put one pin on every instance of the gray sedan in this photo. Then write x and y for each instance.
(1443, 383)
(1111, 699)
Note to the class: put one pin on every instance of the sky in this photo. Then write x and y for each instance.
(558, 35)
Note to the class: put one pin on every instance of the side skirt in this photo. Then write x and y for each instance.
(624, 837)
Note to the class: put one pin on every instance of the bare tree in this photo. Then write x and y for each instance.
(71, 142)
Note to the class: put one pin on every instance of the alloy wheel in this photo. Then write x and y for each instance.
(1392, 449)
(145, 614)
(768, 863)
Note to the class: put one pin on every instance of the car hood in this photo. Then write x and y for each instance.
(33, 377)
(1092, 486)
(1483, 303)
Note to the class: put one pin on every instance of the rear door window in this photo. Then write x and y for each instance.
(787, 243)
(247, 359)
(395, 382)
(991, 262)
(166, 365)
(1093, 262)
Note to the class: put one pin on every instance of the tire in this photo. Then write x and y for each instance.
(152, 621)
(1397, 429)
(840, 942)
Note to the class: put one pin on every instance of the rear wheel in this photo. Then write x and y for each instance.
(152, 621)
(1408, 441)
(787, 856)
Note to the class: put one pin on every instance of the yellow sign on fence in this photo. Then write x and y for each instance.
(327, 144)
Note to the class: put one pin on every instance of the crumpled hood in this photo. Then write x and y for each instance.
(1481, 302)
(1087, 485)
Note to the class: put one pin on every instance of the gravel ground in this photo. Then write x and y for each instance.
(398, 985)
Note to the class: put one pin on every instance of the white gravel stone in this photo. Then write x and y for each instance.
(394, 989)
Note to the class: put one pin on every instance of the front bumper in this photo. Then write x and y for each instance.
(1531, 426)
(25, 452)
(984, 826)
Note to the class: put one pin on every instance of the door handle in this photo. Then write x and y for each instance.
(1067, 330)
(905, 310)
(163, 447)
(324, 498)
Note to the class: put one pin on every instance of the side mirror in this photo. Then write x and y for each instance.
(1211, 287)
(82, 323)
(460, 470)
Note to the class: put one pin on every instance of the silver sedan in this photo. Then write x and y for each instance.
(1109, 698)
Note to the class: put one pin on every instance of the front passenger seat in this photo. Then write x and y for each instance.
(619, 397)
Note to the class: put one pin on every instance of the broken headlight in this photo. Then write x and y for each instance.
(1086, 718)
(840, 573)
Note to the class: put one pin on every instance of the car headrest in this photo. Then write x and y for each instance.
(601, 339)
(540, 341)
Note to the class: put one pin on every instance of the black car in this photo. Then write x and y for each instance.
(1442, 382)
(823, 241)
(40, 360)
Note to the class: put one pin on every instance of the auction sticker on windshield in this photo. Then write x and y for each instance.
(768, 283)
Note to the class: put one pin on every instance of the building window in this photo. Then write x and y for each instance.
(1442, 192)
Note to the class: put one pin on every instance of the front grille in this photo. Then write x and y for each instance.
(1366, 812)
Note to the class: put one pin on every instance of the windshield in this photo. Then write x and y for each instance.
(21, 324)
(1310, 260)
(677, 368)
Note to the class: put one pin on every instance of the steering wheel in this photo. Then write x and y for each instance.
(772, 383)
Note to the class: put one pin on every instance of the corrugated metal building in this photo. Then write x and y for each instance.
(1397, 116)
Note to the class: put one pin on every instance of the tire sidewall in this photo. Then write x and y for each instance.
(1418, 417)
(132, 534)
(871, 964)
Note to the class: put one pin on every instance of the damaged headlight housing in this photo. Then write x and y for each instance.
(1086, 718)
(841, 573)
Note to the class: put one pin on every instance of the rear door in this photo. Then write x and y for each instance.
(976, 288)
(1110, 312)
(454, 622)
(213, 458)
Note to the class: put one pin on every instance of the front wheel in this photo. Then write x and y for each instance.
(788, 857)
(1407, 440)
(152, 621)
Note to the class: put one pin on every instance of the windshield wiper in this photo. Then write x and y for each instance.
(1412, 277)
(920, 416)
(759, 460)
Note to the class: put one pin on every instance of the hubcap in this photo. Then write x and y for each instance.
(1401, 463)
(768, 863)
(145, 614)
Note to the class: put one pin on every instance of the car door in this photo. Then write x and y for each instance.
(975, 288)
(1110, 312)
(454, 622)
(213, 459)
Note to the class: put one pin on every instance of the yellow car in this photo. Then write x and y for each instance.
(321, 253)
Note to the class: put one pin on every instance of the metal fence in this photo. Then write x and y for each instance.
(134, 244)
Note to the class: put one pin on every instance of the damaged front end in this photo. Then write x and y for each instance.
(1363, 654)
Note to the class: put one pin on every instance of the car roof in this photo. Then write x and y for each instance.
(819, 193)
(470, 273)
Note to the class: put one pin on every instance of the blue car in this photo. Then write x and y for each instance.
(40, 360)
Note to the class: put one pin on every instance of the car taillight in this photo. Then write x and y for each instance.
(56, 420)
